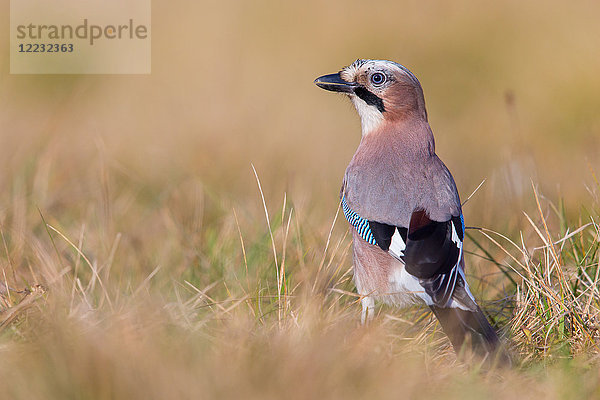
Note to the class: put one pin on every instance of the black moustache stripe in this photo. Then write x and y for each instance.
(370, 98)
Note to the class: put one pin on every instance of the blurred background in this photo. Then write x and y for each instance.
(512, 91)
(145, 171)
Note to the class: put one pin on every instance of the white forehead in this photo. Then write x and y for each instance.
(350, 72)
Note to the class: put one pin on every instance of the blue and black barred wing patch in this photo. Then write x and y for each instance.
(388, 237)
(360, 224)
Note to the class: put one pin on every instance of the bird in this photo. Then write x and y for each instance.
(403, 206)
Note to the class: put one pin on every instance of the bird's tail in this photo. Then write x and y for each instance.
(463, 326)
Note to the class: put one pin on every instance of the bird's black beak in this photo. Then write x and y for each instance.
(335, 83)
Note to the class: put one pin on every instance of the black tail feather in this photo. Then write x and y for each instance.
(461, 325)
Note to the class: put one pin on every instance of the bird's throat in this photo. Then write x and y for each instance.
(371, 118)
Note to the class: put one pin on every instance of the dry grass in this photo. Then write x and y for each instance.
(281, 318)
(139, 258)
(557, 304)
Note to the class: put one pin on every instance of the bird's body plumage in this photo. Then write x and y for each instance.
(391, 175)
(402, 203)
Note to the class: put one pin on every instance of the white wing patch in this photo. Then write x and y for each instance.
(397, 245)
(458, 270)
(405, 288)
(455, 237)
(454, 272)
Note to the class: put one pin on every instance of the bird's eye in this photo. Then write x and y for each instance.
(377, 78)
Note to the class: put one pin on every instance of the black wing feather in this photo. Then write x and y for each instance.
(429, 247)
(431, 255)
(383, 234)
(440, 286)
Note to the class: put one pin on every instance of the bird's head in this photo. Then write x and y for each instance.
(382, 91)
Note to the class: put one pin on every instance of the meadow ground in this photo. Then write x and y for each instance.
(141, 258)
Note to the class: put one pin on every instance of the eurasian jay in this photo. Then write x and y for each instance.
(403, 206)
